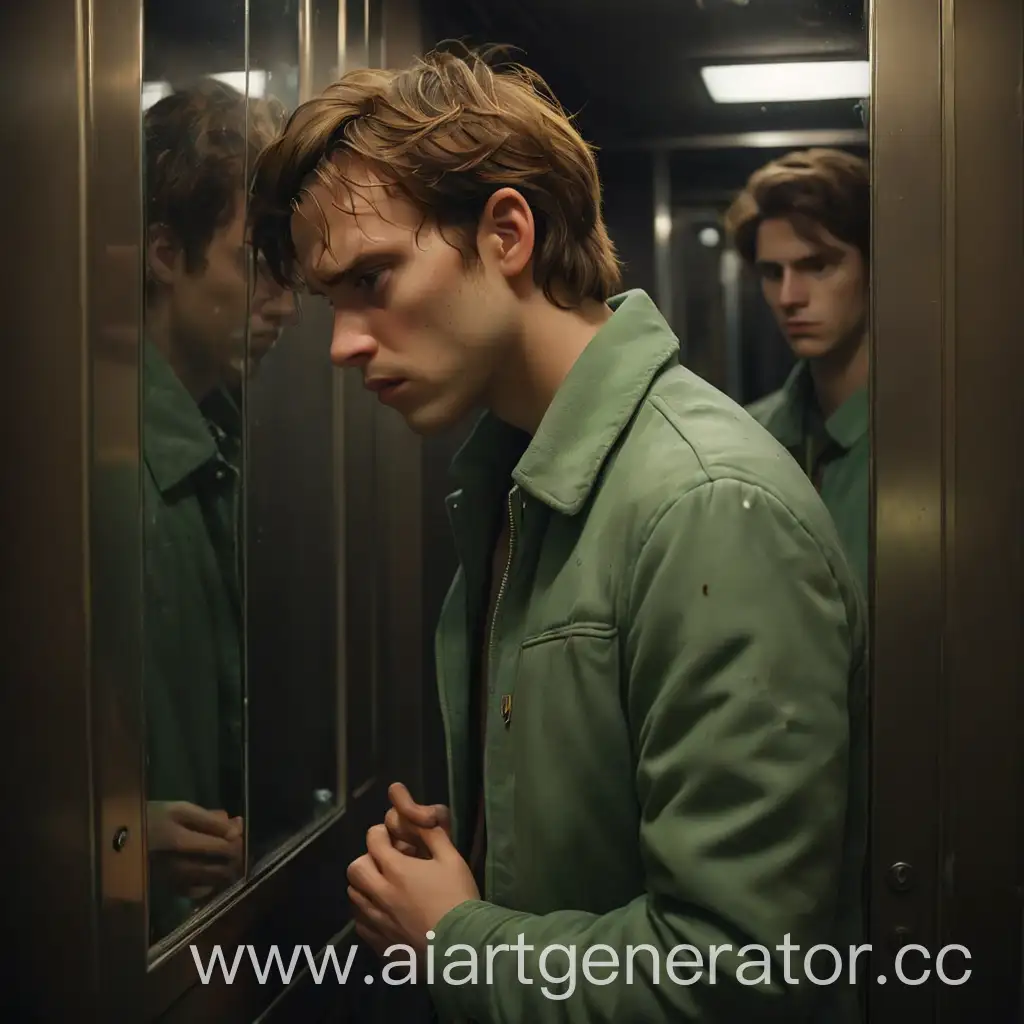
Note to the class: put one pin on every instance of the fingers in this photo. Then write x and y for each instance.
(378, 846)
(364, 875)
(397, 826)
(420, 815)
(367, 912)
(444, 817)
(193, 874)
(438, 842)
(184, 841)
(199, 819)
(404, 835)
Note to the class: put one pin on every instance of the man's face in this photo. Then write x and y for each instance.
(209, 314)
(427, 332)
(816, 289)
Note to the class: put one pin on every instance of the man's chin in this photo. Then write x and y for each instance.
(811, 348)
(431, 422)
(239, 370)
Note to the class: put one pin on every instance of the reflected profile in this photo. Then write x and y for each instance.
(210, 319)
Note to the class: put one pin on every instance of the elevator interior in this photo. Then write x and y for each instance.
(346, 554)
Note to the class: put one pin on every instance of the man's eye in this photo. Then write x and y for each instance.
(372, 280)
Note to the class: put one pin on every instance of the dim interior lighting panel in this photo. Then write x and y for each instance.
(787, 83)
(153, 92)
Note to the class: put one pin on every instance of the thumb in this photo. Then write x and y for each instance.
(437, 841)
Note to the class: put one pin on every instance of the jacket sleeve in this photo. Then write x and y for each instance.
(737, 655)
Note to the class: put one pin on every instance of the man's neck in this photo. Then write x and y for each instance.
(839, 376)
(160, 335)
(552, 340)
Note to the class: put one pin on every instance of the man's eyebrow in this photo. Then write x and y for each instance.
(823, 255)
(317, 284)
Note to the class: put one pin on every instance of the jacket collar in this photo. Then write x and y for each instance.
(846, 426)
(176, 435)
(589, 412)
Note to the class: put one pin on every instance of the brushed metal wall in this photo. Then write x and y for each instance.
(948, 264)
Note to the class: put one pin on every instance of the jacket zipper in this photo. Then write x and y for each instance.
(491, 668)
(501, 589)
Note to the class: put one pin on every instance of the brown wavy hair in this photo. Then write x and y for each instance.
(200, 145)
(812, 189)
(445, 134)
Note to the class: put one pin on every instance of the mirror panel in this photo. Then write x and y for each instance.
(294, 645)
(196, 147)
(241, 567)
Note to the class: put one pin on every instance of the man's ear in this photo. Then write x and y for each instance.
(507, 232)
(164, 257)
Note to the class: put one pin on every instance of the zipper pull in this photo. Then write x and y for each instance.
(506, 709)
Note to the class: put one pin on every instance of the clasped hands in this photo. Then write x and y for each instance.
(410, 876)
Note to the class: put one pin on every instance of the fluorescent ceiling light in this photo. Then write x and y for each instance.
(236, 79)
(786, 83)
(153, 92)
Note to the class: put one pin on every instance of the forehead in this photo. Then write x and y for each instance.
(779, 241)
(339, 217)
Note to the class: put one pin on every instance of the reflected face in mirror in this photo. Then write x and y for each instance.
(816, 287)
(203, 304)
(426, 327)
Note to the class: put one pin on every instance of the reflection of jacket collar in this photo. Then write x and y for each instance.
(178, 437)
(846, 426)
(561, 463)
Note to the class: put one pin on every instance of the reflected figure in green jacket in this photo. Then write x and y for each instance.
(210, 317)
(803, 222)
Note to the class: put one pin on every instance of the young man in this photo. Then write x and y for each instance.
(651, 659)
(207, 325)
(804, 223)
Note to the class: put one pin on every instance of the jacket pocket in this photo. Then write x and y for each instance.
(583, 630)
(574, 772)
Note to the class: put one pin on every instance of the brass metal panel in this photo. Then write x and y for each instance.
(50, 861)
(948, 265)
(910, 324)
(984, 652)
(402, 32)
(114, 281)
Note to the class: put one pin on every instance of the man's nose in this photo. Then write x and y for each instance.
(794, 290)
(351, 343)
(281, 308)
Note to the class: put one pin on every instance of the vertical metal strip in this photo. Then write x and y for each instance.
(241, 496)
(343, 444)
(305, 50)
(731, 270)
(663, 241)
(907, 598)
(113, 286)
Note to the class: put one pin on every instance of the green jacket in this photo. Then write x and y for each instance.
(790, 416)
(192, 656)
(676, 737)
